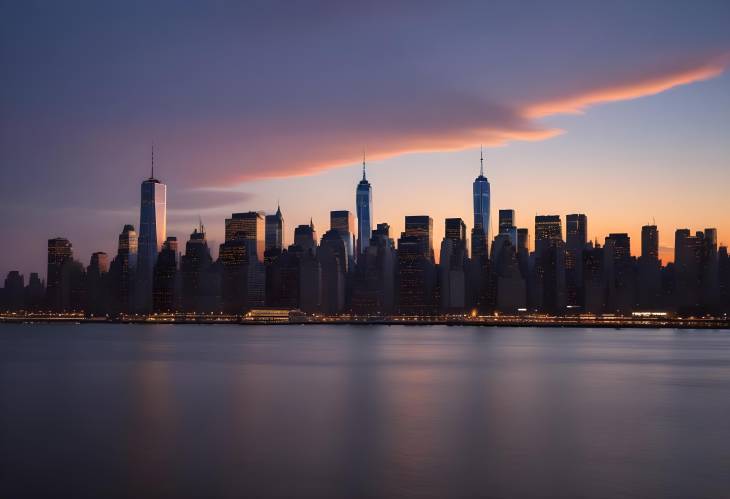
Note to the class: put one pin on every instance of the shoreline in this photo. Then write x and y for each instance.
(486, 321)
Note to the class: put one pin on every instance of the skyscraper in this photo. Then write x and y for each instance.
(305, 236)
(481, 197)
(343, 221)
(364, 207)
(152, 234)
(122, 271)
(59, 253)
(421, 227)
(650, 242)
(576, 237)
(649, 269)
(507, 225)
(198, 282)
(165, 289)
(246, 229)
(275, 231)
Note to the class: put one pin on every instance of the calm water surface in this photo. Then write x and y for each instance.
(337, 411)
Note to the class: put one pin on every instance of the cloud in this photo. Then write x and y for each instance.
(640, 86)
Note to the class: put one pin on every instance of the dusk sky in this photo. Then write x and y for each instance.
(619, 110)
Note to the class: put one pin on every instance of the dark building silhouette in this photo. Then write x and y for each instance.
(333, 259)
(275, 231)
(34, 292)
(416, 269)
(364, 207)
(122, 272)
(548, 293)
(374, 289)
(200, 283)
(649, 287)
(305, 236)
(97, 284)
(576, 237)
(59, 253)
(594, 279)
(621, 277)
(454, 267)
(165, 293)
(13, 292)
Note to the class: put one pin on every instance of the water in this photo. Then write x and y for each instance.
(362, 411)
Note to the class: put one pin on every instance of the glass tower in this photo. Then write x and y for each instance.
(152, 235)
(481, 210)
(364, 207)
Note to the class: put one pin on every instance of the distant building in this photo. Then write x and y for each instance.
(453, 267)
(620, 272)
(649, 291)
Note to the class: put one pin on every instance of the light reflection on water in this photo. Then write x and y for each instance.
(353, 411)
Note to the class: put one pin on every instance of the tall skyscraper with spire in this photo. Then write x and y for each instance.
(152, 233)
(364, 207)
(482, 195)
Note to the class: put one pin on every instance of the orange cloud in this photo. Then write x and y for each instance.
(645, 86)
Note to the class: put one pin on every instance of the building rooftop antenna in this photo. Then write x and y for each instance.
(481, 160)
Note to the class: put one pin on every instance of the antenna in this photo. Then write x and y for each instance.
(152, 173)
(363, 163)
(481, 160)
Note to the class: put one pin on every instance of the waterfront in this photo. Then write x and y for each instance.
(375, 411)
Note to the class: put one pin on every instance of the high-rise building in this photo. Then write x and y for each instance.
(305, 236)
(620, 272)
(416, 272)
(333, 258)
(548, 279)
(152, 234)
(648, 283)
(242, 259)
(275, 231)
(481, 196)
(122, 272)
(59, 253)
(199, 282)
(453, 267)
(165, 289)
(97, 283)
(343, 221)
(421, 227)
(364, 207)
(576, 237)
(13, 293)
(374, 289)
(248, 226)
(507, 225)
(650, 242)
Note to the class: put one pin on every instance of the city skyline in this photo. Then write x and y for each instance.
(620, 128)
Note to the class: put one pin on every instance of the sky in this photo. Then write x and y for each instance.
(619, 110)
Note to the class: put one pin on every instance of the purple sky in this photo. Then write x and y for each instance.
(234, 96)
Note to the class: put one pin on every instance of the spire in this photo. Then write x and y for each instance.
(152, 172)
(481, 161)
(311, 222)
(278, 208)
(363, 165)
